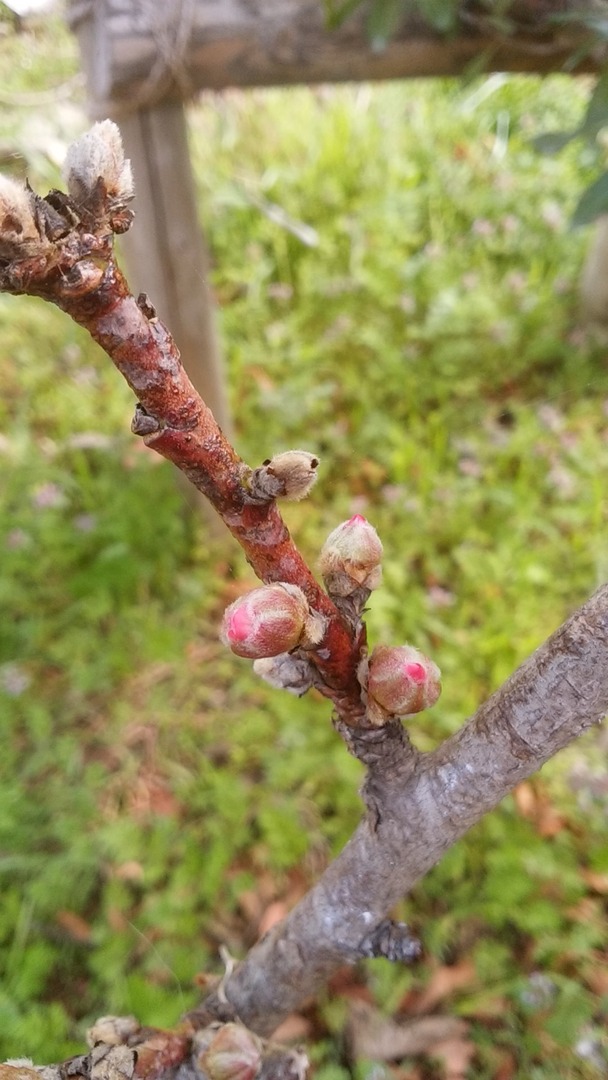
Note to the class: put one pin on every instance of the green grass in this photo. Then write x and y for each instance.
(154, 797)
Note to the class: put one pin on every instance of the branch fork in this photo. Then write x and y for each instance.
(300, 636)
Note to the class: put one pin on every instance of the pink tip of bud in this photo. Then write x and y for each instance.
(240, 624)
(357, 519)
(417, 672)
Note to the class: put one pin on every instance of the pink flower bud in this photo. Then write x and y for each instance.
(234, 1053)
(266, 621)
(351, 557)
(401, 681)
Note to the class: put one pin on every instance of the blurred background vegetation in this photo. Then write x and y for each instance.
(411, 316)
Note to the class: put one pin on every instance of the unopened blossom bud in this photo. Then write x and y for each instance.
(18, 229)
(400, 681)
(99, 154)
(112, 1030)
(289, 476)
(271, 620)
(351, 557)
(234, 1053)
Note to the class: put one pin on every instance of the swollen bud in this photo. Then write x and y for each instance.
(234, 1053)
(400, 681)
(99, 155)
(289, 476)
(271, 620)
(351, 557)
(18, 229)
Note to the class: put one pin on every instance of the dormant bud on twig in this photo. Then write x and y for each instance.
(400, 681)
(351, 557)
(271, 620)
(288, 671)
(112, 1030)
(285, 476)
(99, 155)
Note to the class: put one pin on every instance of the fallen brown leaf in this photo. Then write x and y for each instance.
(443, 982)
(596, 881)
(372, 1035)
(272, 915)
(507, 1068)
(74, 925)
(294, 1029)
(456, 1055)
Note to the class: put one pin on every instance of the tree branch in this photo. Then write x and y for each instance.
(418, 805)
(556, 695)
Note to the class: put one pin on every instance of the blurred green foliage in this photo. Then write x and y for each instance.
(397, 291)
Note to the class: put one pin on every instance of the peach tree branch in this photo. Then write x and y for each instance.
(299, 635)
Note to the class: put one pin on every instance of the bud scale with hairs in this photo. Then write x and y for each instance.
(290, 475)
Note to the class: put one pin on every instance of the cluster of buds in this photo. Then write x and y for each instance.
(100, 185)
(271, 620)
(399, 681)
(351, 558)
(269, 623)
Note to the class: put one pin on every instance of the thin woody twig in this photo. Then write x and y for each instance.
(65, 255)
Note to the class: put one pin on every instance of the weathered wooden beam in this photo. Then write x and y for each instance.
(142, 51)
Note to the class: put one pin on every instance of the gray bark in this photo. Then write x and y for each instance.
(421, 805)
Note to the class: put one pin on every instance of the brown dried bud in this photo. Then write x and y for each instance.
(288, 476)
(112, 1030)
(351, 556)
(18, 229)
(234, 1053)
(99, 154)
(271, 620)
(18, 1069)
(401, 681)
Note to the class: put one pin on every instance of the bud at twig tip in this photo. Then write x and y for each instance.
(99, 154)
(351, 557)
